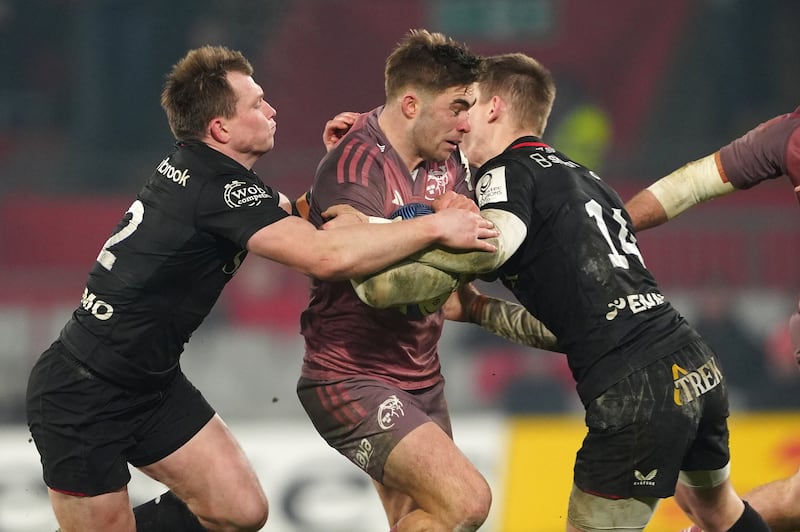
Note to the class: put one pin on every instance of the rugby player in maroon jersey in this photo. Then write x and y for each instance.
(371, 380)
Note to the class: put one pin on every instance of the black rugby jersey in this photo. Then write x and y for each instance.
(579, 269)
(165, 264)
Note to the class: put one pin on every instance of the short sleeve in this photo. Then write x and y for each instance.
(506, 186)
(766, 152)
(236, 207)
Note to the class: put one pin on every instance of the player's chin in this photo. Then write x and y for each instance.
(443, 153)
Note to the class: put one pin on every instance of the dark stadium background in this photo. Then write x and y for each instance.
(644, 86)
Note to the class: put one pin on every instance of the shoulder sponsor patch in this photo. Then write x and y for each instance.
(491, 187)
(244, 194)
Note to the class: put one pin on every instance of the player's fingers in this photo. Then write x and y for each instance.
(484, 245)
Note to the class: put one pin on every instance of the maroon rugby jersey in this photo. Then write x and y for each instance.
(343, 336)
(768, 151)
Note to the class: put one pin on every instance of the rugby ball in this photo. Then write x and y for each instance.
(430, 305)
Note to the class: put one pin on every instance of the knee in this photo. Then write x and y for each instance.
(475, 510)
(254, 515)
(244, 515)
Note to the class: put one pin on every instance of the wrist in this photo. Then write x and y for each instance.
(475, 309)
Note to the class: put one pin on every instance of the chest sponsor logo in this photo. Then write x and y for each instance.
(436, 183)
(175, 175)
(689, 385)
(636, 303)
(390, 410)
(244, 194)
(492, 186)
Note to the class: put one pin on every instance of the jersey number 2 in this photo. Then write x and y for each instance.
(106, 258)
(626, 241)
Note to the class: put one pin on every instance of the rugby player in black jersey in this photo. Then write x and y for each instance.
(769, 151)
(656, 402)
(109, 391)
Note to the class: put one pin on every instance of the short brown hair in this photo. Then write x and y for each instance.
(525, 83)
(197, 89)
(431, 62)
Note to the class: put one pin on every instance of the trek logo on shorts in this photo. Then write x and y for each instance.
(689, 385)
(390, 409)
(644, 480)
(363, 454)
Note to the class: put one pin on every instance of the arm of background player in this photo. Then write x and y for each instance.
(363, 248)
(693, 183)
(503, 318)
(435, 269)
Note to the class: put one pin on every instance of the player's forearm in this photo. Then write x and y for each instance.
(645, 210)
(361, 249)
(511, 321)
(693, 183)
(358, 250)
(403, 284)
(512, 233)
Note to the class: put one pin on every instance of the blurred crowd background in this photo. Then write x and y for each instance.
(644, 86)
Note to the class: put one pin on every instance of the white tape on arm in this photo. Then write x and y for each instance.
(512, 234)
(689, 185)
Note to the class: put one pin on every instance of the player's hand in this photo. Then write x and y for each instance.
(461, 229)
(454, 200)
(457, 306)
(341, 215)
(336, 127)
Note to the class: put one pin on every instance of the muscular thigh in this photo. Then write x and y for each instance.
(364, 419)
(643, 430)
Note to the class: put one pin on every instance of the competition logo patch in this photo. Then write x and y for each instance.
(492, 186)
(390, 409)
(244, 194)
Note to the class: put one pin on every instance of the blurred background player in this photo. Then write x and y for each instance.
(568, 253)
(371, 380)
(769, 151)
(110, 391)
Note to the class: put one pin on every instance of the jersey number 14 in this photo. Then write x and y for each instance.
(624, 238)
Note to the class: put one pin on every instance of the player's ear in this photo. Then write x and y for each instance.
(218, 130)
(410, 105)
(497, 108)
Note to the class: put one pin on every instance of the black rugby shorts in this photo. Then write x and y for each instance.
(87, 430)
(669, 416)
